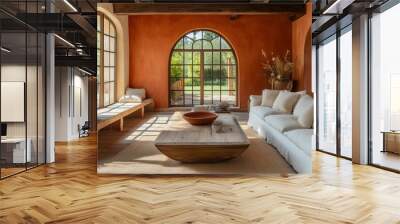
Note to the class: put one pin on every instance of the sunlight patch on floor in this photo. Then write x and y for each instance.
(150, 130)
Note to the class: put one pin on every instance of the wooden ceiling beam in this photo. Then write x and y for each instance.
(208, 8)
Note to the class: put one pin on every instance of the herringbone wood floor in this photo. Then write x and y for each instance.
(69, 191)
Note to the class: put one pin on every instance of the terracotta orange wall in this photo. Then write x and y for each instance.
(301, 50)
(153, 36)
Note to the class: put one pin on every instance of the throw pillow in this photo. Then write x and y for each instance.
(136, 92)
(130, 99)
(285, 101)
(268, 97)
(255, 100)
(304, 111)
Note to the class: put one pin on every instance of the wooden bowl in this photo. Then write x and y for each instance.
(200, 117)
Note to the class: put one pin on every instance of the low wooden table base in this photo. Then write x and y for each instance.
(201, 144)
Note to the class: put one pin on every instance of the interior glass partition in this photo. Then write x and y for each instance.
(22, 101)
(327, 95)
(385, 89)
(346, 92)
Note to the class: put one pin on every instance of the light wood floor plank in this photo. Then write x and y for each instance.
(70, 191)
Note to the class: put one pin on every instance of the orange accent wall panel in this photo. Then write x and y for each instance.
(301, 50)
(152, 38)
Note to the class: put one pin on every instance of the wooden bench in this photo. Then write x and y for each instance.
(118, 111)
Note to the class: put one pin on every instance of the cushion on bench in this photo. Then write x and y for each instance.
(133, 96)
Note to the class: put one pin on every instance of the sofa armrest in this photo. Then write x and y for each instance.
(254, 100)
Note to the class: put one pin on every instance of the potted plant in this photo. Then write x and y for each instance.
(278, 70)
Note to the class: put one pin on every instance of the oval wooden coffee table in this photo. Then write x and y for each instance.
(201, 144)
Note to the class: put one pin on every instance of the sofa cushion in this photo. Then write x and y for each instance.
(301, 92)
(283, 122)
(255, 100)
(268, 97)
(285, 101)
(304, 111)
(261, 111)
(301, 138)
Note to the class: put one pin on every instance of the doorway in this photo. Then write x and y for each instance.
(202, 70)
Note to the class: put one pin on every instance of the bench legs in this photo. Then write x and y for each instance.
(142, 112)
(121, 124)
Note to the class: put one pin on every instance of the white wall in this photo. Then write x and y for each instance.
(71, 102)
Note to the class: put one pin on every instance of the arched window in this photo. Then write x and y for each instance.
(202, 70)
(106, 58)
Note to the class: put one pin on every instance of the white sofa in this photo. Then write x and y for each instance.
(284, 131)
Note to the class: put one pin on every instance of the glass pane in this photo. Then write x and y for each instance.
(196, 57)
(208, 35)
(228, 84)
(112, 44)
(177, 58)
(196, 84)
(228, 71)
(208, 57)
(187, 43)
(207, 97)
(327, 98)
(229, 96)
(188, 70)
(176, 83)
(346, 94)
(228, 58)
(197, 35)
(13, 156)
(208, 75)
(217, 84)
(224, 44)
(176, 98)
(196, 71)
(106, 59)
(196, 97)
(188, 84)
(216, 57)
(106, 94)
(207, 44)
(188, 57)
(111, 86)
(106, 43)
(216, 97)
(112, 73)
(176, 71)
(385, 88)
(106, 74)
(197, 45)
(112, 59)
(216, 43)
(188, 97)
(179, 45)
